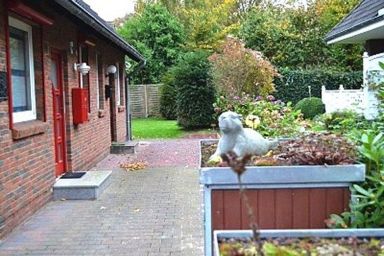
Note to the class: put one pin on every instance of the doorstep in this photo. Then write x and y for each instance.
(88, 187)
(128, 147)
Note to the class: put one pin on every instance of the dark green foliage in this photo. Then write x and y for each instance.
(368, 210)
(159, 36)
(195, 92)
(293, 84)
(294, 38)
(168, 96)
(310, 107)
(343, 122)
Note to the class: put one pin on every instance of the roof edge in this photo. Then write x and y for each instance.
(77, 10)
(354, 28)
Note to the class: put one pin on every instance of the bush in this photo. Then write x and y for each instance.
(237, 70)
(343, 121)
(168, 96)
(270, 117)
(310, 107)
(293, 84)
(195, 92)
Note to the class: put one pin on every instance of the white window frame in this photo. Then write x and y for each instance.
(23, 116)
(118, 84)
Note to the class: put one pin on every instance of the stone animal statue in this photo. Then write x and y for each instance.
(241, 141)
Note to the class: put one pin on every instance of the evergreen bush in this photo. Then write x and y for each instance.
(310, 107)
(168, 96)
(195, 92)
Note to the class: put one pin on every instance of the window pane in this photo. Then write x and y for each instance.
(21, 95)
(53, 74)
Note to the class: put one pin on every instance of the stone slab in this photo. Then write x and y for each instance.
(128, 147)
(88, 187)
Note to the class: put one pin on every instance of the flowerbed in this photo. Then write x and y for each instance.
(311, 149)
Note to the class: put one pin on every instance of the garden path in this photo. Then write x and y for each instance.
(154, 211)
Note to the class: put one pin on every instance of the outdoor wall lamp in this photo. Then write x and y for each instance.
(82, 68)
(111, 69)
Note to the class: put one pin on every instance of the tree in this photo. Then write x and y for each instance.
(206, 22)
(294, 37)
(159, 36)
(237, 70)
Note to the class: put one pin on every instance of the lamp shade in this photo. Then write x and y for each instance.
(111, 69)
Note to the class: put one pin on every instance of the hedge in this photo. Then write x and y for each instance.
(195, 91)
(292, 85)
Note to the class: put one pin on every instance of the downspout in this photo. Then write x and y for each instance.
(128, 117)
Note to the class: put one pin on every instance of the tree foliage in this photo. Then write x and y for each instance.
(294, 37)
(159, 36)
(237, 70)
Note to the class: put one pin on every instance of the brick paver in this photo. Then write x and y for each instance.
(156, 211)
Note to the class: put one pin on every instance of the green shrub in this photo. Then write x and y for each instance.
(168, 96)
(343, 121)
(271, 117)
(310, 107)
(293, 85)
(195, 92)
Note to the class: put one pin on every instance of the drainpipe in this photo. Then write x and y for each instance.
(128, 117)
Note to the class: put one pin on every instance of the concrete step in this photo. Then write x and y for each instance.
(128, 147)
(88, 187)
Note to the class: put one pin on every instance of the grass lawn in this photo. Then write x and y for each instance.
(155, 128)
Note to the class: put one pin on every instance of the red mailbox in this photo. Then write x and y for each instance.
(79, 105)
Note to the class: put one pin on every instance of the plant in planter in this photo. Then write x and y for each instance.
(291, 243)
(368, 208)
(283, 195)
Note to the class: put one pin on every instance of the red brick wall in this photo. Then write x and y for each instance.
(27, 170)
(26, 166)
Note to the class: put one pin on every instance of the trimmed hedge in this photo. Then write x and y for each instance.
(310, 107)
(292, 85)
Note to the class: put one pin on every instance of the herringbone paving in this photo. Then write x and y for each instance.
(155, 211)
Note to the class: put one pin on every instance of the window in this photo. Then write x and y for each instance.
(22, 71)
(117, 84)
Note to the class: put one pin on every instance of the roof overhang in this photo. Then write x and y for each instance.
(77, 10)
(361, 33)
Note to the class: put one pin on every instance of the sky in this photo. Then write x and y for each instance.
(111, 9)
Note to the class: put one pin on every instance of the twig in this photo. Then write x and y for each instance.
(238, 166)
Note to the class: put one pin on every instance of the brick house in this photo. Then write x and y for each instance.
(49, 126)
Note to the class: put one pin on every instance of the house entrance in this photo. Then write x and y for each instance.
(56, 81)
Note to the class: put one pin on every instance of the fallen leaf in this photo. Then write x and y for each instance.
(139, 165)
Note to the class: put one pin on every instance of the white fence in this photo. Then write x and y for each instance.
(363, 101)
(341, 99)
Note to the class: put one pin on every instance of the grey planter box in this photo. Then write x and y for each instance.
(271, 178)
(295, 233)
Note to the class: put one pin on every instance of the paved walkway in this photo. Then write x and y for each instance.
(156, 211)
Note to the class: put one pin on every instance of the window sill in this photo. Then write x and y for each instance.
(120, 109)
(101, 113)
(28, 129)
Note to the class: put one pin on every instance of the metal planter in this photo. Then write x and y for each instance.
(285, 197)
